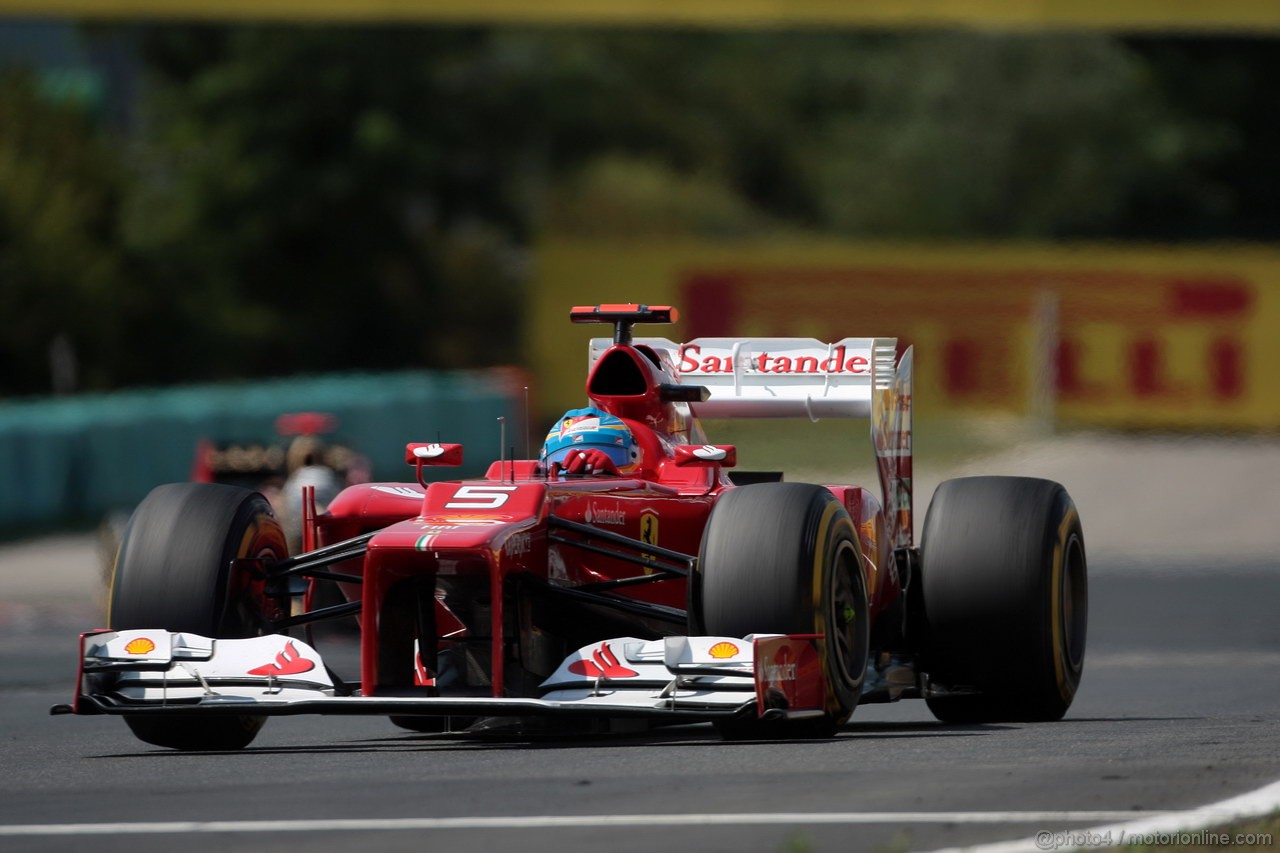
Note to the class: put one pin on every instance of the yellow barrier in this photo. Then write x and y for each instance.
(1089, 335)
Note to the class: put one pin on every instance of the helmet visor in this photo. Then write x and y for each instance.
(621, 456)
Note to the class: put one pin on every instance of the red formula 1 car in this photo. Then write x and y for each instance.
(655, 590)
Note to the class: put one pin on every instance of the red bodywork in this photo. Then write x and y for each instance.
(495, 529)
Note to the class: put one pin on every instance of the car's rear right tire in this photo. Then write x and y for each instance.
(1005, 600)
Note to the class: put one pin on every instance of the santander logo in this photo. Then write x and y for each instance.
(782, 668)
(430, 451)
(840, 360)
(603, 515)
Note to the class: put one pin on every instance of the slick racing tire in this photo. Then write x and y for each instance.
(174, 572)
(783, 558)
(1005, 599)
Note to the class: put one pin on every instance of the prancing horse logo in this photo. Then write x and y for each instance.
(648, 533)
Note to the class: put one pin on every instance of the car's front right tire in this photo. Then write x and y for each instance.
(783, 558)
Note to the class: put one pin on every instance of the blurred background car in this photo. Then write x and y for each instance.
(303, 452)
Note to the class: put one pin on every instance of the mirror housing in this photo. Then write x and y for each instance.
(433, 453)
(706, 455)
(673, 393)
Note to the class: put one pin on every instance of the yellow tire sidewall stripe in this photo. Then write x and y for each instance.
(1059, 651)
(832, 518)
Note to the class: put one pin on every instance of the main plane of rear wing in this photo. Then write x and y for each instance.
(778, 377)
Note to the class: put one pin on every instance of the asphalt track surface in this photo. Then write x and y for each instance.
(1178, 708)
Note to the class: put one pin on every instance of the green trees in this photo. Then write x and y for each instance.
(951, 135)
(320, 198)
(983, 136)
(338, 200)
(62, 270)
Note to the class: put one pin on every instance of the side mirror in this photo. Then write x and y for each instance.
(416, 453)
(670, 393)
(706, 455)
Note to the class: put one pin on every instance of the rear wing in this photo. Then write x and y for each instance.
(806, 378)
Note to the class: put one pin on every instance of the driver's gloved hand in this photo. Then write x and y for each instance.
(589, 462)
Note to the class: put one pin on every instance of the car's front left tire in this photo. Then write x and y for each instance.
(174, 571)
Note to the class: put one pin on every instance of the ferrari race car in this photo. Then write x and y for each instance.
(668, 592)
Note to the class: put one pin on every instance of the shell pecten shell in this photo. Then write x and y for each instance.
(140, 646)
(723, 650)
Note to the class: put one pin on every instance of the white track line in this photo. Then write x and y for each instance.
(1259, 803)
(1253, 804)
(552, 821)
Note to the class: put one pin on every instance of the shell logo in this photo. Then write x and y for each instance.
(140, 646)
(723, 650)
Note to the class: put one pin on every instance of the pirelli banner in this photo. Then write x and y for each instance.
(1099, 336)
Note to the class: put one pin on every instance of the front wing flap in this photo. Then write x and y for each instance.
(155, 672)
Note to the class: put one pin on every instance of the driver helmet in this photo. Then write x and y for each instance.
(578, 429)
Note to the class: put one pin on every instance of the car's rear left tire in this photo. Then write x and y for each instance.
(1005, 598)
(783, 558)
(174, 572)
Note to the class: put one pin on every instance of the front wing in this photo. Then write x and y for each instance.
(676, 679)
